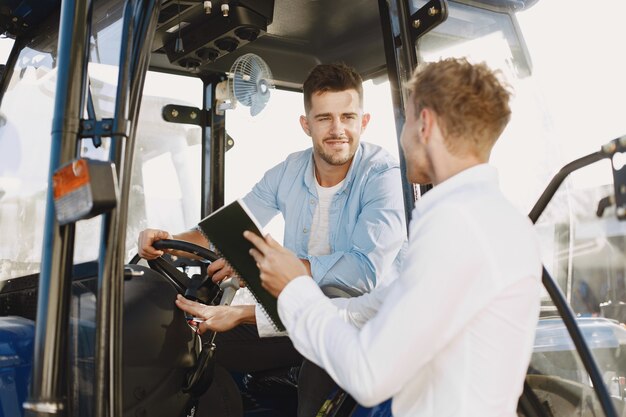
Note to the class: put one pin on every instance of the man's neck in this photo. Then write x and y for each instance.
(328, 175)
(453, 166)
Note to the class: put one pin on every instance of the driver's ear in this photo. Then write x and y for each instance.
(305, 125)
(365, 119)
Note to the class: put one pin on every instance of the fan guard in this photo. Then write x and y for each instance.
(250, 82)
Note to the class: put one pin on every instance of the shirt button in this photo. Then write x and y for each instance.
(312, 201)
(304, 230)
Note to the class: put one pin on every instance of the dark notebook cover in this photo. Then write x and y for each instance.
(224, 229)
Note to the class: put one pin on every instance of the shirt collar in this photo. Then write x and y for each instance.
(310, 182)
(484, 174)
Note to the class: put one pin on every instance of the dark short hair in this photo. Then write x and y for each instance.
(470, 100)
(331, 77)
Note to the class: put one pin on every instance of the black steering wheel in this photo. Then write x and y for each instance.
(167, 265)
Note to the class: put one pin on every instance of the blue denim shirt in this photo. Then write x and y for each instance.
(366, 219)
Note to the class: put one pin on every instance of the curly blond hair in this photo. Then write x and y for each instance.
(471, 102)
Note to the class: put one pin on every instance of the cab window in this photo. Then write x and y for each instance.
(266, 139)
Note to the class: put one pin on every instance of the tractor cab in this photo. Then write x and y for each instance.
(119, 115)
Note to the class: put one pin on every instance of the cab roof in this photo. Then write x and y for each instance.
(292, 36)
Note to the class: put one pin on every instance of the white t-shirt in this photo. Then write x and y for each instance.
(319, 243)
(453, 335)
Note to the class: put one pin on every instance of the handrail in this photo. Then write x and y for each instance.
(48, 393)
(569, 319)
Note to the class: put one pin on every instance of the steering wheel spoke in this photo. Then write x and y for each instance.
(177, 278)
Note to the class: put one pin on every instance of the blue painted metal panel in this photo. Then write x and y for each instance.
(17, 336)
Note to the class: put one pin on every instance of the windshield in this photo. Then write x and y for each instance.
(24, 161)
(164, 172)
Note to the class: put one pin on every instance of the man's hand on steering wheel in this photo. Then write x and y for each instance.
(145, 241)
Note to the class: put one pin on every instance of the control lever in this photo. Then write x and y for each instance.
(229, 286)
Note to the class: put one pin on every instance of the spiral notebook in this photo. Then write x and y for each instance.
(224, 229)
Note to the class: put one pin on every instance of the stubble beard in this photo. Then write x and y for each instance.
(335, 159)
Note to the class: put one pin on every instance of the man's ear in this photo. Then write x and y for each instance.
(426, 124)
(305, 125)
(365, 119)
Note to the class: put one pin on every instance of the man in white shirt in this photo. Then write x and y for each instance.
(453, 335)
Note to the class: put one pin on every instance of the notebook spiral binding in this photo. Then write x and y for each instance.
(254, 295)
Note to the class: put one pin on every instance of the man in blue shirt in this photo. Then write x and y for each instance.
(343, 210)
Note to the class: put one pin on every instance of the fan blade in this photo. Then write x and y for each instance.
(259, 101)
(243, 89)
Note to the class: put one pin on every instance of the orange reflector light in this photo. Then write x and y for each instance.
(70, 178)
(82, 189)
